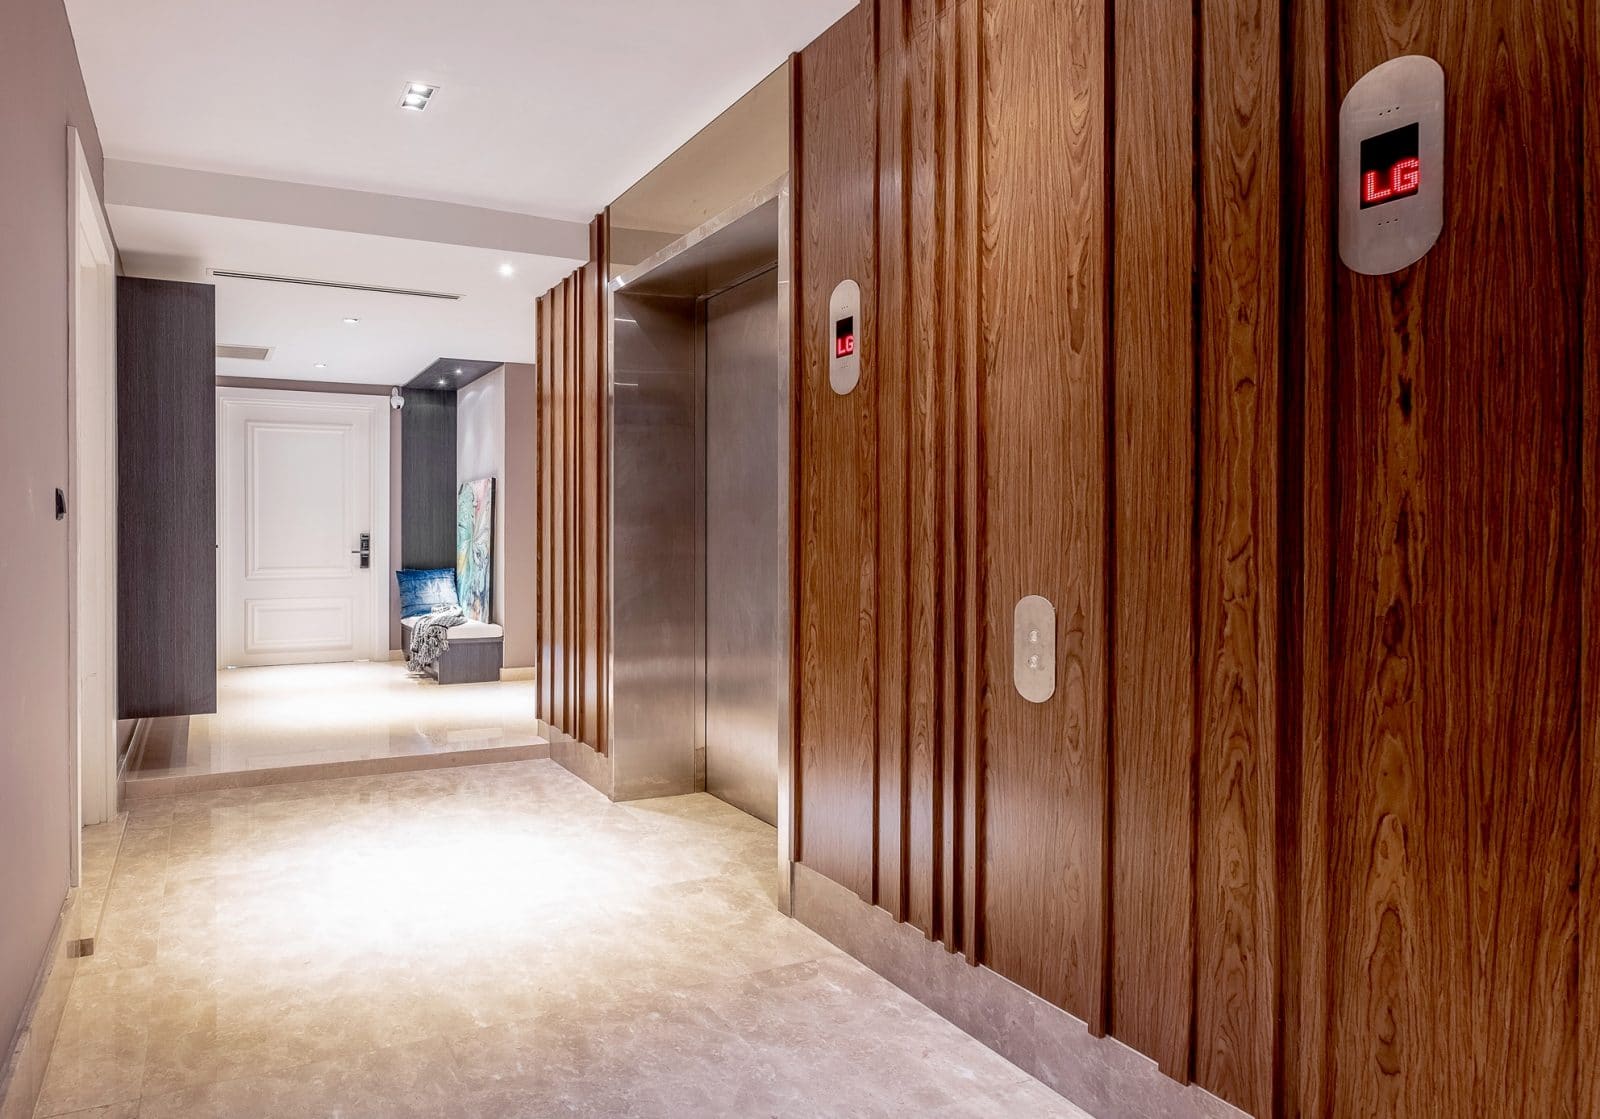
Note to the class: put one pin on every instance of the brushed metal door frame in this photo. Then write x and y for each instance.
(743, 511)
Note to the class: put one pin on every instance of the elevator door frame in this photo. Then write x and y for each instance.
(637, 280)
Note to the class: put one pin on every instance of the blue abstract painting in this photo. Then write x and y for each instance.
(475, 548)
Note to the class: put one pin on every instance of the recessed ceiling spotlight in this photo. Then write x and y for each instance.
(322, 365)
(352, 320)
(417, 95)
(508, 270)
(458, 371)
(443, 383)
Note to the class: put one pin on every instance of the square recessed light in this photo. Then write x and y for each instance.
(417, 95)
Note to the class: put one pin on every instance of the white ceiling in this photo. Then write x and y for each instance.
(549, 107)
(397, 337)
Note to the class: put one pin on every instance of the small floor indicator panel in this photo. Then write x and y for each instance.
(844, 337)
(1391, 166)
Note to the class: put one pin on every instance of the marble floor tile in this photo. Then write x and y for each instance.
(492, 941)
(296, 716)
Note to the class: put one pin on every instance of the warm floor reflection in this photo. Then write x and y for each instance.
(296, 716)
(496, 940)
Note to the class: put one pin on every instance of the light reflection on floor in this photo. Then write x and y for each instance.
(322, 714)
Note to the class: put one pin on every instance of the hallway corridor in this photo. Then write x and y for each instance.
(496, 940)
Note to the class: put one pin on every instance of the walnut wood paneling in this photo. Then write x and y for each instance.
(1457, 594)
(573, 503)
(1236, 645)
(896, 483)
(1045, 339)
(1305, 516)
(837, 482)
(1309, 817)
(1589, 743)
(1153, 791)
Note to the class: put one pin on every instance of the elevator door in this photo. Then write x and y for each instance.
(746, 434)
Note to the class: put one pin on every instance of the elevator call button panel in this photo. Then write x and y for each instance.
(1391, 166)
(844, 337)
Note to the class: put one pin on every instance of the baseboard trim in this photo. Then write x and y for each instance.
(29, 1053)
(1100, 1075)
(519, 674)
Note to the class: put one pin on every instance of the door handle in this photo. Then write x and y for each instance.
(365, 551)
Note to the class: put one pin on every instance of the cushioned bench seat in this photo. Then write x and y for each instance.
(474, 655)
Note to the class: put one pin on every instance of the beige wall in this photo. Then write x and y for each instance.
(44, 94)
(494, 438)
(522, 530)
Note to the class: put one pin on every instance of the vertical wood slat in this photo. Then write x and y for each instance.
(1044, 339)
(545, 453)
(559, 459)
(572, 502)
(601, 253)
(895, 481)
(1152, 784)
(1236, 899)
(577, 589)
(924, 462)
(1306, 520)
(837, 715)
(969, 452)
(1589, 721)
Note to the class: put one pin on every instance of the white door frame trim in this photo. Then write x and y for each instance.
(378, 406)
(89, 778)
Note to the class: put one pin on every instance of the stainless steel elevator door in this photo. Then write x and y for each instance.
(746, 437)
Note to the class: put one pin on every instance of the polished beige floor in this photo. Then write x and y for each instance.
(498, 940)
(299, 716)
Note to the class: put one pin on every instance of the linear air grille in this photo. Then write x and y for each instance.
(245, 353)
(303, 281)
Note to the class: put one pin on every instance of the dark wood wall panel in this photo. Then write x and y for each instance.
(1589, 744)
(1457, 595)
(1236, 644)
(574, 511)
(1305, 506)
(1309, 819)
(1153, 614)
(166, 498)
(546, 577)
(428, 479)
(836, 626)
(1045, 344)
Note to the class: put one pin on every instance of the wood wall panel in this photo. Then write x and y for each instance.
(896, 483)
(1589, 743)
(1303, 821)
(1236, 644)
(1045, 345)
(573, 504)
(166, 498)
(1457, 596)
(836, 731)
(1305, 516)
(1152, 784)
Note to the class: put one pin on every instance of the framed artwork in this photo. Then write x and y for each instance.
(475, 547)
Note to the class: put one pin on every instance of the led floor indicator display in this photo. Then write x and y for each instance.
(1391, 167)
(1392, 172)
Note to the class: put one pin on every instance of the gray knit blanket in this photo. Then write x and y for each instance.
(430, 636)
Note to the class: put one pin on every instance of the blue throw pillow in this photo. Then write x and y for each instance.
(423, 592)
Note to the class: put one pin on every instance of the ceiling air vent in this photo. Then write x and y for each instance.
(245, 353)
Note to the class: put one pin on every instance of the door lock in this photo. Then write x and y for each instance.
(365, 551)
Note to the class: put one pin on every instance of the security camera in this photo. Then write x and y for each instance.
(396, 401)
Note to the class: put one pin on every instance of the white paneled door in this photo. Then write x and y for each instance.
(303, 482)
